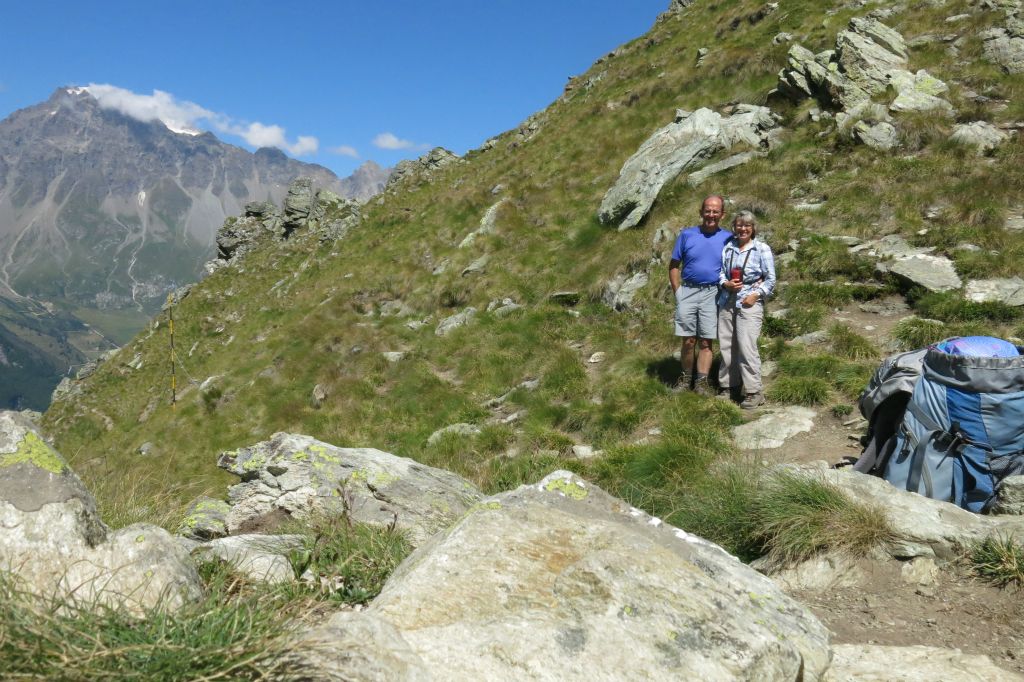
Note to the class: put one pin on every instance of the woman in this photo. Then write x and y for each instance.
(746, 280)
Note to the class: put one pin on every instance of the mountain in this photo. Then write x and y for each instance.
(494, 313)
(101, 215)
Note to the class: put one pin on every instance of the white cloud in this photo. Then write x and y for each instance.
(344, 150)
(182, 116)
(392, 141)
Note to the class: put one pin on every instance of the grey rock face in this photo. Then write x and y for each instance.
(934, 273)
(453, 322)
(55, 543)
(296, 475)
(260, 557)
(684, 145)
(621, 290)
(559, 580)
(1009, 291)
(1010, 498)
(873, 663)
(1004, 47)
(487, 224)
(980, 134)
(356, 647)
(773, 428)
(697, 178)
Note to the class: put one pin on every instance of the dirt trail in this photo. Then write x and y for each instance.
(952, 609)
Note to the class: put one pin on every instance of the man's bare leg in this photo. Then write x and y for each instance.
(687, 356)
(704, 357)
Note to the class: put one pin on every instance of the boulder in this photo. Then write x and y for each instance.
(1010, 497)
(559, 580)
(460, 429)
(874, 663)
(1009, 291)
(295, 475)
(477, 267)
(54, 542)
(453, 322)
(263, 558)
(621, 290)
(684, 145)
(697, 178)
(205, 519)
(300, 205)
(933, 273)
(881, 136)
(772, 429)
(980, 134)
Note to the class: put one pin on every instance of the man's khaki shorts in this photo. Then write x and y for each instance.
(696, 311)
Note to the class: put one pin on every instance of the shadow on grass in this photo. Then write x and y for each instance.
(665, 370)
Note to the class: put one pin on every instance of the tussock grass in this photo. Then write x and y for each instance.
(798, 516)
(849, 344)
(799, 391)
(998, 560)
(226, 636)
(822, 258)
(914, 332)
(346, 562)
(951, 307)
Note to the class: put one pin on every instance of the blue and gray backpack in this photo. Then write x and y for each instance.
(947, 421)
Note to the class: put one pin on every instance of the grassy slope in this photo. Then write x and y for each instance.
(294, 315)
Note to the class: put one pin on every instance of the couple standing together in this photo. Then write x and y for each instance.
(721, 280)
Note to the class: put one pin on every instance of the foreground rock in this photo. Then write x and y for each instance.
(684, 145)
(293, 476)
(560, 581)
(871, 663)
(54, 541)
(922, 526)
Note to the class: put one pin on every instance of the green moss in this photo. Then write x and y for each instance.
(33, 450)
(570, 489)
(254, 463)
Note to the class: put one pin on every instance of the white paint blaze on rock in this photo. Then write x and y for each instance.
(774, 428)
(53, 540)
(561, 581)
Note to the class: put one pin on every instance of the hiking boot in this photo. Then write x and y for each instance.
(701, 387)
(683, 383)
(752, 400)
(724, 394)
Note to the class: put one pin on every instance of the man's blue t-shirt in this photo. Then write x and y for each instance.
(700, 255)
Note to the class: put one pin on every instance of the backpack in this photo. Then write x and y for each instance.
(947, 421)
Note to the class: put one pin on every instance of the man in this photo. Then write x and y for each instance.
(693, 273)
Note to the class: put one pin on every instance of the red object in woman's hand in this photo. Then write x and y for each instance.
(736, 273)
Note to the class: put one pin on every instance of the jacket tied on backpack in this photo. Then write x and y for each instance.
(962, 430)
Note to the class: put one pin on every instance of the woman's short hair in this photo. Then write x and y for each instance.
(747, 217)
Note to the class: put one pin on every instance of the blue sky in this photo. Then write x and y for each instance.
(377, 80)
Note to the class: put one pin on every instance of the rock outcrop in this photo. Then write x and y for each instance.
(418, 170)
(294, 475)
(305, 208)
(54, 542)
(684, 145)
(559, 580)
(869, 59)
(874, 663)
